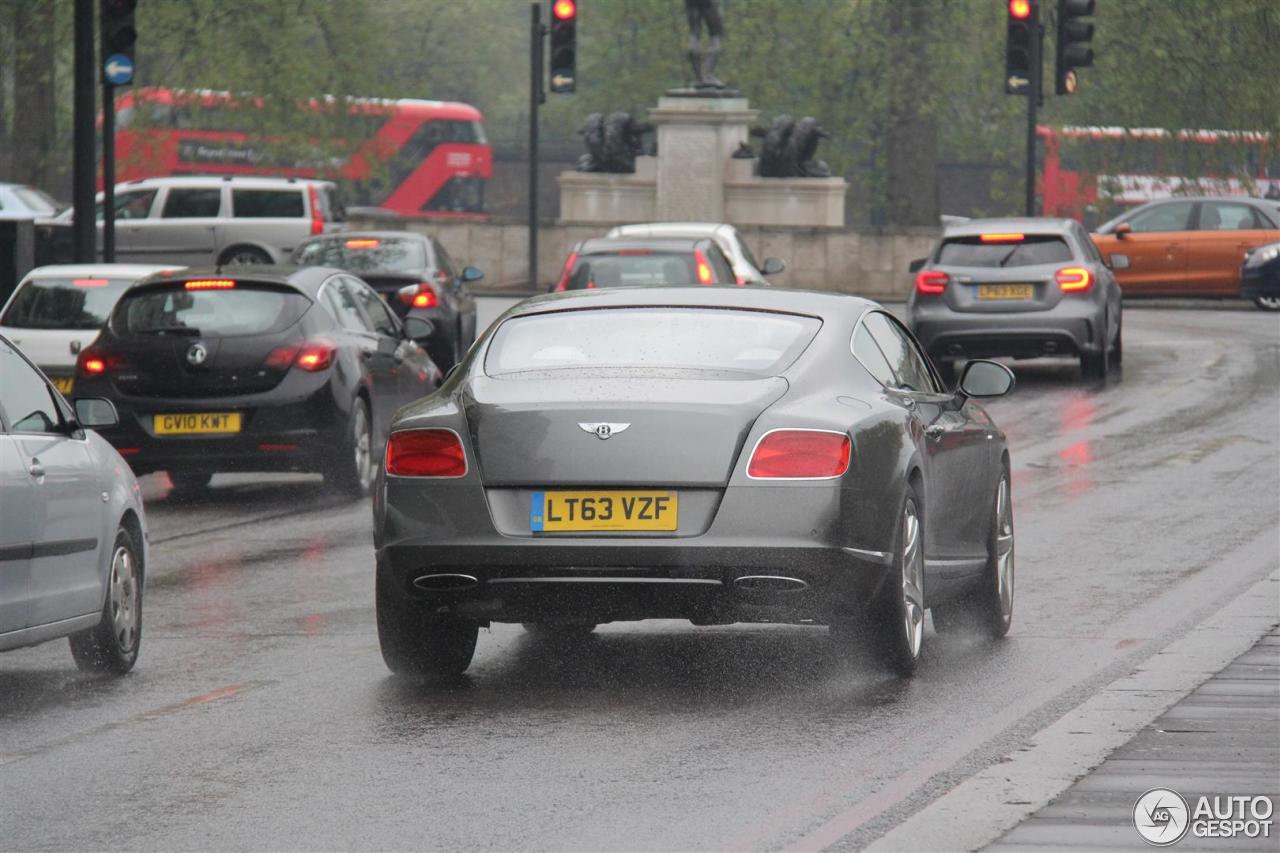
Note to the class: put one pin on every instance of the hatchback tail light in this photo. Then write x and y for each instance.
(1074, 279)
(426, 453)
(317, 216)
(931, 282)
(311, 356)
(92, 362)
(800, 454)
(563, 283)
(705, 275)
(420, 295)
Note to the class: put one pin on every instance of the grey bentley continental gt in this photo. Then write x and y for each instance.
(713, 454)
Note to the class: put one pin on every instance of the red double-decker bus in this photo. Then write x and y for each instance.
(416, 158)
(1091, 173)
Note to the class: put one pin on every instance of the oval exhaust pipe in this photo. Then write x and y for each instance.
(446, 583)
(769, 583)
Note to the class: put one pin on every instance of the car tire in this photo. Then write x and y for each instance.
(415, 643)
(898, 612)
(112, 645)
(988, 608)
(571, 632)
(1093, 366)
(242, 256)
(1117, 350)
(1267, 303)
(190, 482)
(354, 469)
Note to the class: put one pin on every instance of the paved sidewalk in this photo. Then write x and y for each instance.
(1222, 739)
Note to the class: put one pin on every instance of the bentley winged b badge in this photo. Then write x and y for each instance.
(603, 430)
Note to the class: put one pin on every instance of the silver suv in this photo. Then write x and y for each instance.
(192, 221)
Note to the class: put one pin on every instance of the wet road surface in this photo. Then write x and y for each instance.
(260, 714)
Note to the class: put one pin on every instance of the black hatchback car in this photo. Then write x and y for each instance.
(414, 274)
(266, 369)
(645, 262)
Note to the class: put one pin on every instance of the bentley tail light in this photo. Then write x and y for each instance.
(1074, 279)
(800, 454)
(426, 453)
(931, 282)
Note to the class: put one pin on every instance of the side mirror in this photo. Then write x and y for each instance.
(773, 266)
(983, 378)
(917, 264)
(1118, 262)
(470, 274)
(1122, 230)
(417, 329)
(94, 412)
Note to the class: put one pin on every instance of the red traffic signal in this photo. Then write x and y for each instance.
(1020, 9)
(564, 10)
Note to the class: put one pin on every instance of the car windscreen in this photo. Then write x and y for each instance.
(637, 268)
(208, 311)
(364, 254)
(1031, 250)
(755, 343)
(82, 302)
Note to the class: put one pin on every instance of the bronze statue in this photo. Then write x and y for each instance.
(613, 142)
(704, 61)
(789, 146)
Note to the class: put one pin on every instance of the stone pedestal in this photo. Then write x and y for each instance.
(695, 177)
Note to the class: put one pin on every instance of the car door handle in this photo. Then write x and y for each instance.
(935, 430)
(35, 469)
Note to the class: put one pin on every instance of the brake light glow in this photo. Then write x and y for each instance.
(1002, 238)
(210, 284)
(425, 453)
(809, 454)
(94, 363)
(705, 275)
(315, 356)
(421, 295)
(740, 281)
(633, 252)
(931, 282)
(317, 218)
(1074, 279)
(363, 243)
(563, 283)
(89, 282)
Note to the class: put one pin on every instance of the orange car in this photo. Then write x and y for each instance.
(1186, 246)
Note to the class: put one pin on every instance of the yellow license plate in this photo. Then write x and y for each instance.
(552, 512)
(64, 384)
(197, 423)
(1005, 291)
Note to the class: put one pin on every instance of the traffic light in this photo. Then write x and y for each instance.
(564, 45)
(1073, 50)
(118, 40)
(1024, 18)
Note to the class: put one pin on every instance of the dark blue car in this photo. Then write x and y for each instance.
(1260, 277)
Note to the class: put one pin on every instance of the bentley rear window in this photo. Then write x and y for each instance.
(755, 343)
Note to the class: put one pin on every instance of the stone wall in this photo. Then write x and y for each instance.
(866, 263)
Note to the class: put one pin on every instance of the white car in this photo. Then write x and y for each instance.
(726, 237)
(73, 537)
(209, 220)
(56, 311)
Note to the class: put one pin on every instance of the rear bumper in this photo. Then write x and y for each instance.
(1072, 327)
(287, 429)
(778, 554)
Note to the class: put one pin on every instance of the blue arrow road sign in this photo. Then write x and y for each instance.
(118, 69)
